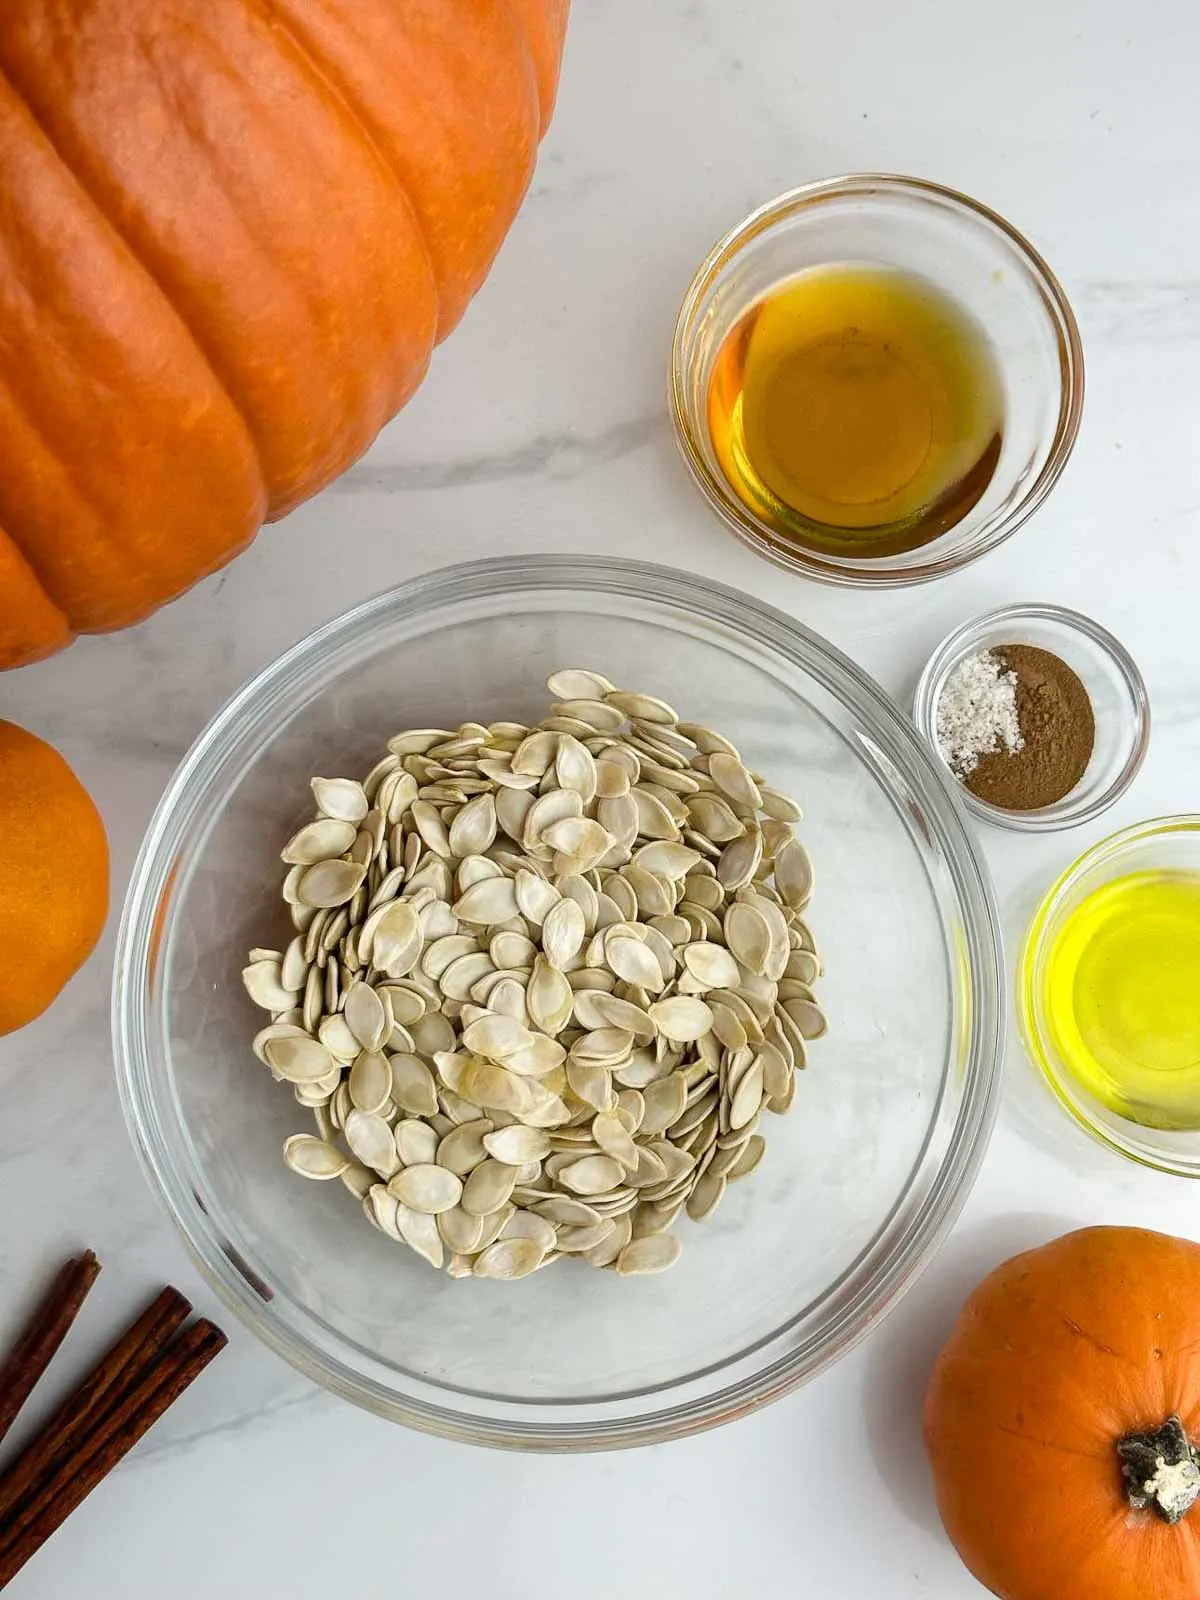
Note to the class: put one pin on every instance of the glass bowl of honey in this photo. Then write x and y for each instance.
(1109, 992)
(875, 380)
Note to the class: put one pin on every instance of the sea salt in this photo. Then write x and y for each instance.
(977, 712)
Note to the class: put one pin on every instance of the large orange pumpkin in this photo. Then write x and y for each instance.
(1062, 1420)
(231, 232)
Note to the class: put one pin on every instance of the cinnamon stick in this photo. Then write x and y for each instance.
(99, 1391)
(156, 1388)
(43, 1333)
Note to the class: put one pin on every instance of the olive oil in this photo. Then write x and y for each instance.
(857, 410)
(1122, 997)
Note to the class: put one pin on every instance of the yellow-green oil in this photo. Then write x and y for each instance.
(1121, 990)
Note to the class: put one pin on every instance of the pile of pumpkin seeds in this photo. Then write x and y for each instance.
(544, 982)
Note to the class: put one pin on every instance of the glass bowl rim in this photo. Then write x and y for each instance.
(840, 570)
(956, 644)
(1037, 1046)
(196, 788)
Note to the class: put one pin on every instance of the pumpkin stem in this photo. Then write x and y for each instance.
(1161, 1471)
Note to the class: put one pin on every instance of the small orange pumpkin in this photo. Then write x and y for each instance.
(1062, 1419)
(53, 875)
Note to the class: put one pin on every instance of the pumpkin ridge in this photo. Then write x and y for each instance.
(445, 267)
(555, 12)
(44, 626)
(1090, 1338)
(531, 55)
(1046, 1444)
(144, 268)
(28, 549)
(324, 74)
(12, 524)
(98, 557)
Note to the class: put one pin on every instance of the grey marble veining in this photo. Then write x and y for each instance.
(559, 456)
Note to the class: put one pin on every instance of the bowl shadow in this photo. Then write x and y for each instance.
(902, 1353)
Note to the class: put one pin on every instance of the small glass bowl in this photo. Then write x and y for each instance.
(971, 254)
(1109, 675)
(1165, 844)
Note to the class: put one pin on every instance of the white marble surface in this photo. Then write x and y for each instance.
(542, 427)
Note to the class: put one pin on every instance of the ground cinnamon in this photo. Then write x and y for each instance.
(1058, 733)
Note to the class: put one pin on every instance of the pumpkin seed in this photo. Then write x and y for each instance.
(655, 1252)
(528, 1225)
(563, 933)
(460, 1231)
(330, 883)
(341, 798)
(488, 1187)
(298, 1058)
(548, 998)
(730, 776)
(413, 1087)
(462, 1150)
(592, 1175)
(575, 683)
(707, 1195)
(264, 985)
(682, 1018)
(517, 1145)
(416, 1142)
(419, 1230)
(579, 1240)
(808, 1017)
(319, 841)
(314, 1158)
(370, 1138)
(399, 937)
(370, 1081)
(497, 1036)
(509, 1258)
(643, 707)
(794, 875)
(632, 962)
(489, 901)
(427, 1188)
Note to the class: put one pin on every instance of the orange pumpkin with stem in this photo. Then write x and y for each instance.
(231, 233)
(1062, 1421)
(53, 875)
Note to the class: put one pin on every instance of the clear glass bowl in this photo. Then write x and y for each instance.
(973, 256)
(860, 1181)
(1165, 844)
(1108, 673)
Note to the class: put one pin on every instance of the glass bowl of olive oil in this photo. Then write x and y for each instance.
(875, 380)
(1109, 992)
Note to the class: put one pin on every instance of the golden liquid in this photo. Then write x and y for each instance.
(1122, 997)
(857, 410)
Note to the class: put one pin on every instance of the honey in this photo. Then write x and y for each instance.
(1121, 992)
(857, 410)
